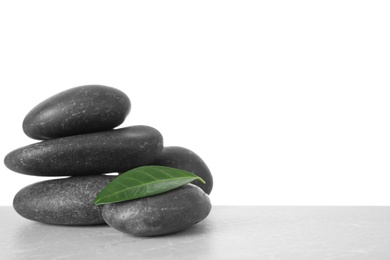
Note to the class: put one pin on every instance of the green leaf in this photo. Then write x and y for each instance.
(143, 182)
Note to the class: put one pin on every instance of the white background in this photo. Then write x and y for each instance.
(288, 102)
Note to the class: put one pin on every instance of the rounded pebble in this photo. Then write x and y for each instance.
(103, 152)
(185, 159)
(161, 214)
(79, 110)
(66, 201)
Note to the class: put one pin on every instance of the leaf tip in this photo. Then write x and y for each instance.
(201, 180)
(97, 201)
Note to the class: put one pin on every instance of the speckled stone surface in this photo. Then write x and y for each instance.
(79, 110)
(103, 152)
(66, 201)
(161, 214)
(185, 159)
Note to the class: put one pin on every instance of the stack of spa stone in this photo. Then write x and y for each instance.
(76, 127)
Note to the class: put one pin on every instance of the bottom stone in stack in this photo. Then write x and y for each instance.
(68, 201)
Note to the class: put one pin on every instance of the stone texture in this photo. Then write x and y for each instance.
(185, 159)
(161, 214)
(103, 152)
(78, 110)
(66, 201)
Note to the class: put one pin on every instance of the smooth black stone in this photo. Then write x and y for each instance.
(185, 159)
(103, 152)
(78, 110)
(160, 214)
(66, 201)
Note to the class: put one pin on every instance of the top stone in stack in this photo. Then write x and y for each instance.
(79, 110)
(77, 128)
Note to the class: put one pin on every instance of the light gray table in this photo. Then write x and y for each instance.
(237, 232)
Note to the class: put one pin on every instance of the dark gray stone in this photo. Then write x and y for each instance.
(184, 159)
(103, 152)
(66, 201)
(78, 110)
(161, 214)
